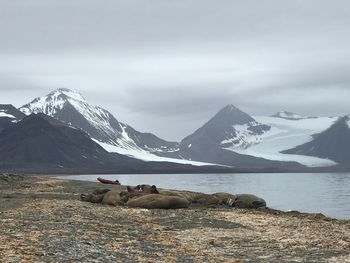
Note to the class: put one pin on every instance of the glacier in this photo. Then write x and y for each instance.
(286, 134)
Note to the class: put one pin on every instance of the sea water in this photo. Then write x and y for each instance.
(327, 193)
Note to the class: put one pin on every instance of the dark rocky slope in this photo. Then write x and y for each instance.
(333, 143)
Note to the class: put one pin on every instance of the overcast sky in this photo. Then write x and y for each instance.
(167, 66)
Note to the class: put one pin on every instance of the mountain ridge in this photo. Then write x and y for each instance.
(41, 144)
(72, 108)
(225, 139)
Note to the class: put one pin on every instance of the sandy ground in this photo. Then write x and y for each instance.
(43, 220)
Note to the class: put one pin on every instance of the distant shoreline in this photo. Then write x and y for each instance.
(195, 170)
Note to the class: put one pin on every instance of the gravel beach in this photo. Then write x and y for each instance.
(43, 220)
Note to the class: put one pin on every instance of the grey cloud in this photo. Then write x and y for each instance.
(167, 66)
(66, 25)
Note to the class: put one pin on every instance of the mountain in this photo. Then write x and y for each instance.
(9, 115)
(287, 115)
(333, 143)
(36, 142)
(41, 144)
(228, 130)
(231, 138)
(72, 108)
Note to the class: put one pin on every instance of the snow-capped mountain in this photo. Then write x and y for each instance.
(288, 115)
(217, 139)
(41, 144)
(230, 128)
(332, 143)
(72, 108)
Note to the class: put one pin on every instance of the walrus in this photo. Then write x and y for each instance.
(137, 191)
(224, 198)
(196, 198)
(157, 201)
(168, 199)
(95, 197)
(247, 201)
(144, 188)
(200, 199)
(111, 198)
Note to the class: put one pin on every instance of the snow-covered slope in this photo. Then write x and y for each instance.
(72, 108)
(286, 134)
(332, 143)
(244, 136)
(146, 156)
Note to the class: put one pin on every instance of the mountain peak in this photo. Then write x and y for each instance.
(65, 92)
(230, 127)
(52, 102)
(230, 107)
(231, 115)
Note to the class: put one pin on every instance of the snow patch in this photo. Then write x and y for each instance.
(244, 137)
(146, 156)
(4, 114)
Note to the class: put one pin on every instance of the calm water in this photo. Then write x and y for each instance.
(327, 193)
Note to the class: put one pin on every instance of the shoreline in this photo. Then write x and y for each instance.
(289, 205)
(310, 170)
(42, 219)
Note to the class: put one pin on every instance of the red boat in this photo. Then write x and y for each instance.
(106, 181)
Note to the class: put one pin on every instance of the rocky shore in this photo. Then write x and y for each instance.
(43, 220)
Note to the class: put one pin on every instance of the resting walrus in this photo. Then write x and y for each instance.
(111, 198)
(95, 197)
(157, 201)
(148, 196)
(195, 198)
(247, 201)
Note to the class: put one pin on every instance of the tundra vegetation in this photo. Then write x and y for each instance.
(42, 219)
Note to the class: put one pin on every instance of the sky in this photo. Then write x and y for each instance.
(166, 66)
